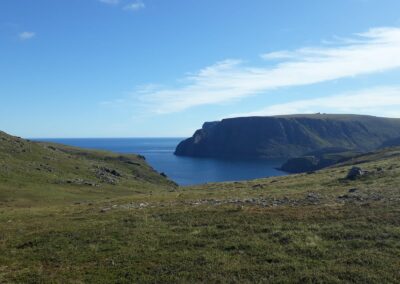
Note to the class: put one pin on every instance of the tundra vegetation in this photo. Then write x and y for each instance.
(69, 215)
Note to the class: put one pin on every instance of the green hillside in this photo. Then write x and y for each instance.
(306, 228)
(47, 173)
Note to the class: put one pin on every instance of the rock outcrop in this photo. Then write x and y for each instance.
(354, 173)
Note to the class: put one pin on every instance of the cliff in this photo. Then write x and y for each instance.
(288, 136)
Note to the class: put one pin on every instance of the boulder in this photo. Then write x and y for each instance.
(354, 173)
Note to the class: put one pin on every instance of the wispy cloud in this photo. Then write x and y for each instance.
(132, 6)
(381, 101)
(374, 51)
(135, 6)
(26, 35)
(111, 2)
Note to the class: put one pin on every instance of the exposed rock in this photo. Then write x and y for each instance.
(108, 175)
(45, 168)
(79, 181)
(313, 197)
(350, 197)
(354, 173)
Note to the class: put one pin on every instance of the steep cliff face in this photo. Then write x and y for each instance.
(288, 136)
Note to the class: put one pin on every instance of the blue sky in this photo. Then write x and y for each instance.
(158, 68)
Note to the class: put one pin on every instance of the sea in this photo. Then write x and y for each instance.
(159, 153)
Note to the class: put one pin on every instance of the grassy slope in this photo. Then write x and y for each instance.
(40, 173)
(300, 228)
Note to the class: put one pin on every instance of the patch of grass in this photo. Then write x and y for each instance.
(202, 244)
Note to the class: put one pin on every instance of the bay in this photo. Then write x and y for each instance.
(159, 153)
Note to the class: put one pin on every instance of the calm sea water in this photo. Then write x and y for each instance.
(159, 153)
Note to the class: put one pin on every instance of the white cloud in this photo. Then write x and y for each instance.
(374, 51)
(380, 101)
(283, 54)
(26, 35)
(135, 6)
(112, 2)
